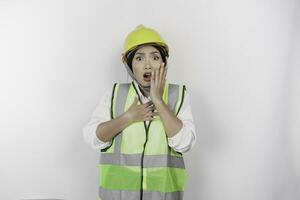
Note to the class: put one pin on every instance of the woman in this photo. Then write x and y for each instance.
(143, 127)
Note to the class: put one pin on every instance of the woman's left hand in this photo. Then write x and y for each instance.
(158, 79)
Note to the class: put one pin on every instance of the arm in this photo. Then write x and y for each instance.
(185, 139)
(100, 114)
(181, 130)
(171, 123)
(101, 129)
(107, 130)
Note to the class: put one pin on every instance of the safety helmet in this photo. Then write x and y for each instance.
(140, 36)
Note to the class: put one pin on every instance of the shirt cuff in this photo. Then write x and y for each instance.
(174, 141)
(100, 144)
(90, 137)
(184, 140)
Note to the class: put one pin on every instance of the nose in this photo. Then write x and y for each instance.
(148, 64)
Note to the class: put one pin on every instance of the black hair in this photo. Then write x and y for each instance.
(163, 52)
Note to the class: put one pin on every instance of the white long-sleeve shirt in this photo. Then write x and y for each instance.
(182, 141)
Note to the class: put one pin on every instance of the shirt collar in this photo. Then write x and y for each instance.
(139, 91)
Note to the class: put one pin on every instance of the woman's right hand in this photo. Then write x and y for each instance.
(141, 112)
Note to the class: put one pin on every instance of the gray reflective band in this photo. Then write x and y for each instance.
(163, 161)
(106, 194)
(121, 159)
(121, 98)
(149, 160)
(155, 195)
(173, 91)
(135, 160)
(173, 96)
(120, 105)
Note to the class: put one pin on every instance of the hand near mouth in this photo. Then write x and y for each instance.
(158, 79)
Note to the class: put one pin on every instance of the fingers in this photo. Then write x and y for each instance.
(152, 113)
(136, 99)
(155, 113)
(157, 75)
(161, 73)
(155, 78)
(150, 108)
(148, 104)
(151, 116)
(152, 78)
(165, 74)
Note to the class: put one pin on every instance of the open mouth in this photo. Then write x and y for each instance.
(147, 77)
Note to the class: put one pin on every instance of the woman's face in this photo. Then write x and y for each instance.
(146, 59)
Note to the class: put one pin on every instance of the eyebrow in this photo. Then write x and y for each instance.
(150, 52)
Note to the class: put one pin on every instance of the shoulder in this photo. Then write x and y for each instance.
(120, 85)
(108, 91)
(181, 86)
(183, 92)
(177, 84)
(115, 84)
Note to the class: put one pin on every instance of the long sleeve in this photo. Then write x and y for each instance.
(185, 139)
(182, 142)
(100, 114)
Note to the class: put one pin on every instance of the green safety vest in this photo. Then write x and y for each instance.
(139, 164)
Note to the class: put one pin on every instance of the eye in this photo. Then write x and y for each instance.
(138, 58)
(156, 57)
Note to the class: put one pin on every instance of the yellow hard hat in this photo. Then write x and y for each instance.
(142, 35)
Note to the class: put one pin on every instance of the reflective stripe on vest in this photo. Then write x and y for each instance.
(139, 164)
(133, 195)
(149, 160)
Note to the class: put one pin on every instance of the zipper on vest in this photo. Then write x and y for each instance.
(142, 161)
(144, 146)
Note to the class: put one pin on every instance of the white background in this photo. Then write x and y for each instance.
(239, 60)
